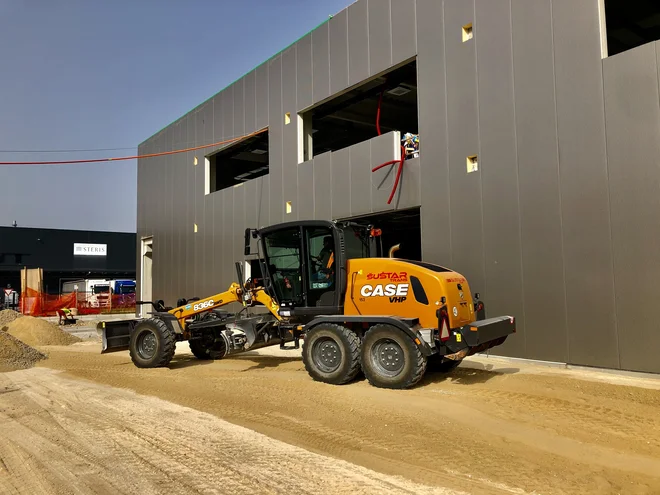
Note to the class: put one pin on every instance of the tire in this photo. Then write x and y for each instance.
(437, 363)
(331, 354)
(391, 359)
(208, 348)
(152, 344)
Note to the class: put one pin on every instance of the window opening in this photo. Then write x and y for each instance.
(237, 163)
(630, 24)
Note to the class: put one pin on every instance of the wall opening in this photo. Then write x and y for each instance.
(629, 24)
(352, 117)
(237, 163)
(400, 227)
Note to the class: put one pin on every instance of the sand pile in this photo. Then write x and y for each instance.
(7, 316)
(34, 331)
(15, 355)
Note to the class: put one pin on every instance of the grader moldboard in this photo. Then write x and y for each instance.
(328, 284)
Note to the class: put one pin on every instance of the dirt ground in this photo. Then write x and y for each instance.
(490, 427)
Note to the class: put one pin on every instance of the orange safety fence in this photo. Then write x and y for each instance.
(36, 303)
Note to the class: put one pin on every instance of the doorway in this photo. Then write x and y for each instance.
(400, 228)
(146, 281)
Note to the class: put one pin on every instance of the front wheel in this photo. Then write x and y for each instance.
(331, 354)
(208, 347)
(152, 344)
(391, 359)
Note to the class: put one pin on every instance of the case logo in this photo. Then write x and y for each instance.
(390, 290)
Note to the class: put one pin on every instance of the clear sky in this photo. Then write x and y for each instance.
(87, 74)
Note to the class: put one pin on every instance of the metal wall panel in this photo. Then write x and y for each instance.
(188, 233)
(323, 186)
(536, 127)
(238, 90)
(227, 239)
(589, 275)
(380, 36)
(360, 177)
(178, 140)
(404, 27)
(238, 241)
(263, 212)
(435, 189)
(321, 63)
(218, 239)
(276, 139)
(358, 42)
(250, 99)
(338, 27)
(341, 182)
(227, 99)
(290, 132)
(218, 121)
(463, 135)
(262, 96)
(171, 192)
(633, 127)
(305, 199)
(503, 289)
(408, 194)
(383, 149)
(304, 72)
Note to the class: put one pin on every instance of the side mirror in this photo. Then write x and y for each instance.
(477, 295)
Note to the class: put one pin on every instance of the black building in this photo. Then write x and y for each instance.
(65, 255)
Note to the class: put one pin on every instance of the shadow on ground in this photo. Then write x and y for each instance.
(467, 374)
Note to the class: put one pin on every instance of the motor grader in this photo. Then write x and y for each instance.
(331, 285)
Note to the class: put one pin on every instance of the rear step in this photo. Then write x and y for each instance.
(115, 335)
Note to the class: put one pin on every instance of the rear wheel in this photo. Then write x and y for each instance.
(390, 358)
(152, 344)
(331, 354)
(208, 347)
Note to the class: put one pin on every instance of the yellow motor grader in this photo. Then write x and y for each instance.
(328, 284)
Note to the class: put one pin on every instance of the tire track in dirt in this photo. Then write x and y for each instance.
(71, 436)
(473, 430)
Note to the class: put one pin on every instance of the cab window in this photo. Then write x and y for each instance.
(284, 259)
(322, 269)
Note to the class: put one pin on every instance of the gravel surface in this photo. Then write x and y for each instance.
(38, 332)
(7, 316)
(15, 355)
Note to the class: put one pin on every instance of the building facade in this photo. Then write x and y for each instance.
(537, 176)
(65, 255)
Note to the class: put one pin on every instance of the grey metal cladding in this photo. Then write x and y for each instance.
(290, 130)
(360, 177)
(227, 100)
(499, 174)
(227, 239)
(263, 218)
(323, 186)
(251, 202)
(250, 99)
(218, 121)
(321, 63)
(237, 239)
(239, 107)
(382, 149)
(408, 194)
(338, 27)
(435, 189)
(341, 182)
(404, 36)
(304, 72)
(262, 95)
(536, 128)
(305, 193)
(633, 126)
(358, 42)
(380, 36)
(276, 138)
(589, 276)
(179, 137)
(463, 134)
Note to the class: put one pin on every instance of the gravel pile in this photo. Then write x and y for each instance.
(37, 332)
(7, 316)
(15, 355)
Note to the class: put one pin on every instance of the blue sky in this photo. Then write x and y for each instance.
(86, 74)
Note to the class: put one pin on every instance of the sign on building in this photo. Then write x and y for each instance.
(82, 249)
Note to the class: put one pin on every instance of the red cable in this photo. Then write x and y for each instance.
(380, 102)
(150, 155)
(398, 172)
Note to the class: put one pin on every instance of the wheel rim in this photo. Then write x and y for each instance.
(146, 345)
(387, 357)
(327, 354)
